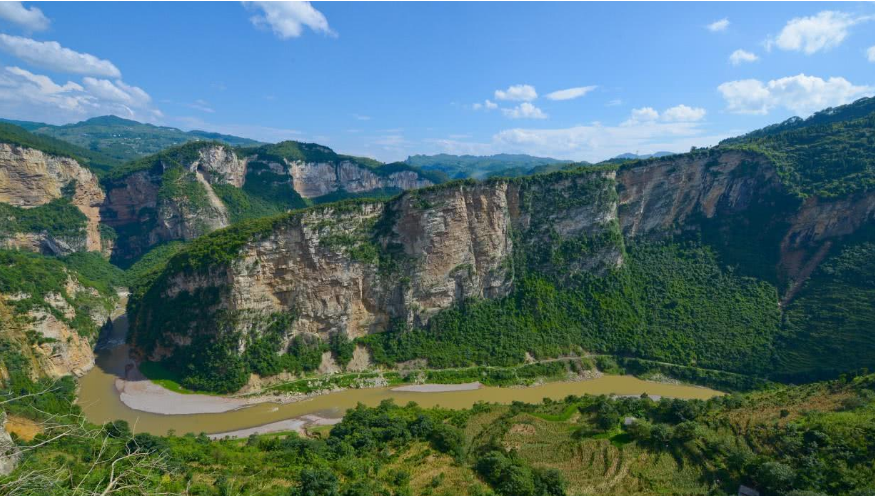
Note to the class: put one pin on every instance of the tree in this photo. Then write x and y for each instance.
(317, 482)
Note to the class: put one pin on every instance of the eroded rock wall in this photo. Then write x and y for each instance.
(355, 269)
(312, 179)
(30, 178)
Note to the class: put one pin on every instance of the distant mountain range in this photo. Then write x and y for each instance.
(479, 167)
(124, 139)
(635, 156)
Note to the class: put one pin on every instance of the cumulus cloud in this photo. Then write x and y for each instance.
(717, 26)
(870, 54)
(31, 18)
(524, 110)
(288, 19)
(741, 56)
(517, 93)
(570, 93)
(812, 34)
(683, 113)
(639, 115)
(679, 113)
(25, 95)
(52, 56)
(802, 94)
(486, 105)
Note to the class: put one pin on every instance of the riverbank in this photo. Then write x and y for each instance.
(298, 424)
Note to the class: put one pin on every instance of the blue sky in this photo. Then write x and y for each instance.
(583, 81)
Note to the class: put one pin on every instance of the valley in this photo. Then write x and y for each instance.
(258, 291)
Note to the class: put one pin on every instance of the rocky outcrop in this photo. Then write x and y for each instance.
(356, 269)
(9, 453)
(220, 165)
(153, 206)
(45, 332)
(664, 195)
(30, 178)
(314, 179)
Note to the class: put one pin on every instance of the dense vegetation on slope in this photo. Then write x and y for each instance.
(829, 325)
(860, 108)
(58, 218)
(124, 139)
(15, 135)
(672, 302)
(832, 159)
(31, 278)
(812, 440)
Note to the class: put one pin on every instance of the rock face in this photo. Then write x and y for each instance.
(663, 195)
(9, 454)
(314, 179)
(357, 269)
(30, 178)
(147, 209)
(166, 202)
(220, 165)
(362, 268)
(45, 333)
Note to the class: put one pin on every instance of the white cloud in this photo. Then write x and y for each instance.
(52, 56)
(25, 95)
(517, 93)
(570, 93)
(802, 94)
(287, 19)
(614, 102)
(717, 26)
(870, 54)
(683, 113)
(360, 117)
(486, 105)
(524, 110)
(812, 34)
(639, 115)
(32, 18)
(741, 56)
(593, 142)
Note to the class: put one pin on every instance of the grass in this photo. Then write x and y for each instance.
(160, 375)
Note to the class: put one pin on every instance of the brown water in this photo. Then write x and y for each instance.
(100, 401)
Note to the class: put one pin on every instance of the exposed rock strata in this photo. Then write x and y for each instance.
(446, 245)
(30, 178)
(313, 179)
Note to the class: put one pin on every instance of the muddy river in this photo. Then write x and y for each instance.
(100, 400)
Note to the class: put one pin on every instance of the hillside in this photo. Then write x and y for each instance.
(18, 135)
(812, 440)
(124, 139)
(709, 259)
(860, 108)
(480, 167)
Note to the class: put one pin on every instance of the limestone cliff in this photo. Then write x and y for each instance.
(30, 178)
(173, 195)
(49, 333)
(314, 179)
(357, 268)
(663, 195)
(170, 200)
